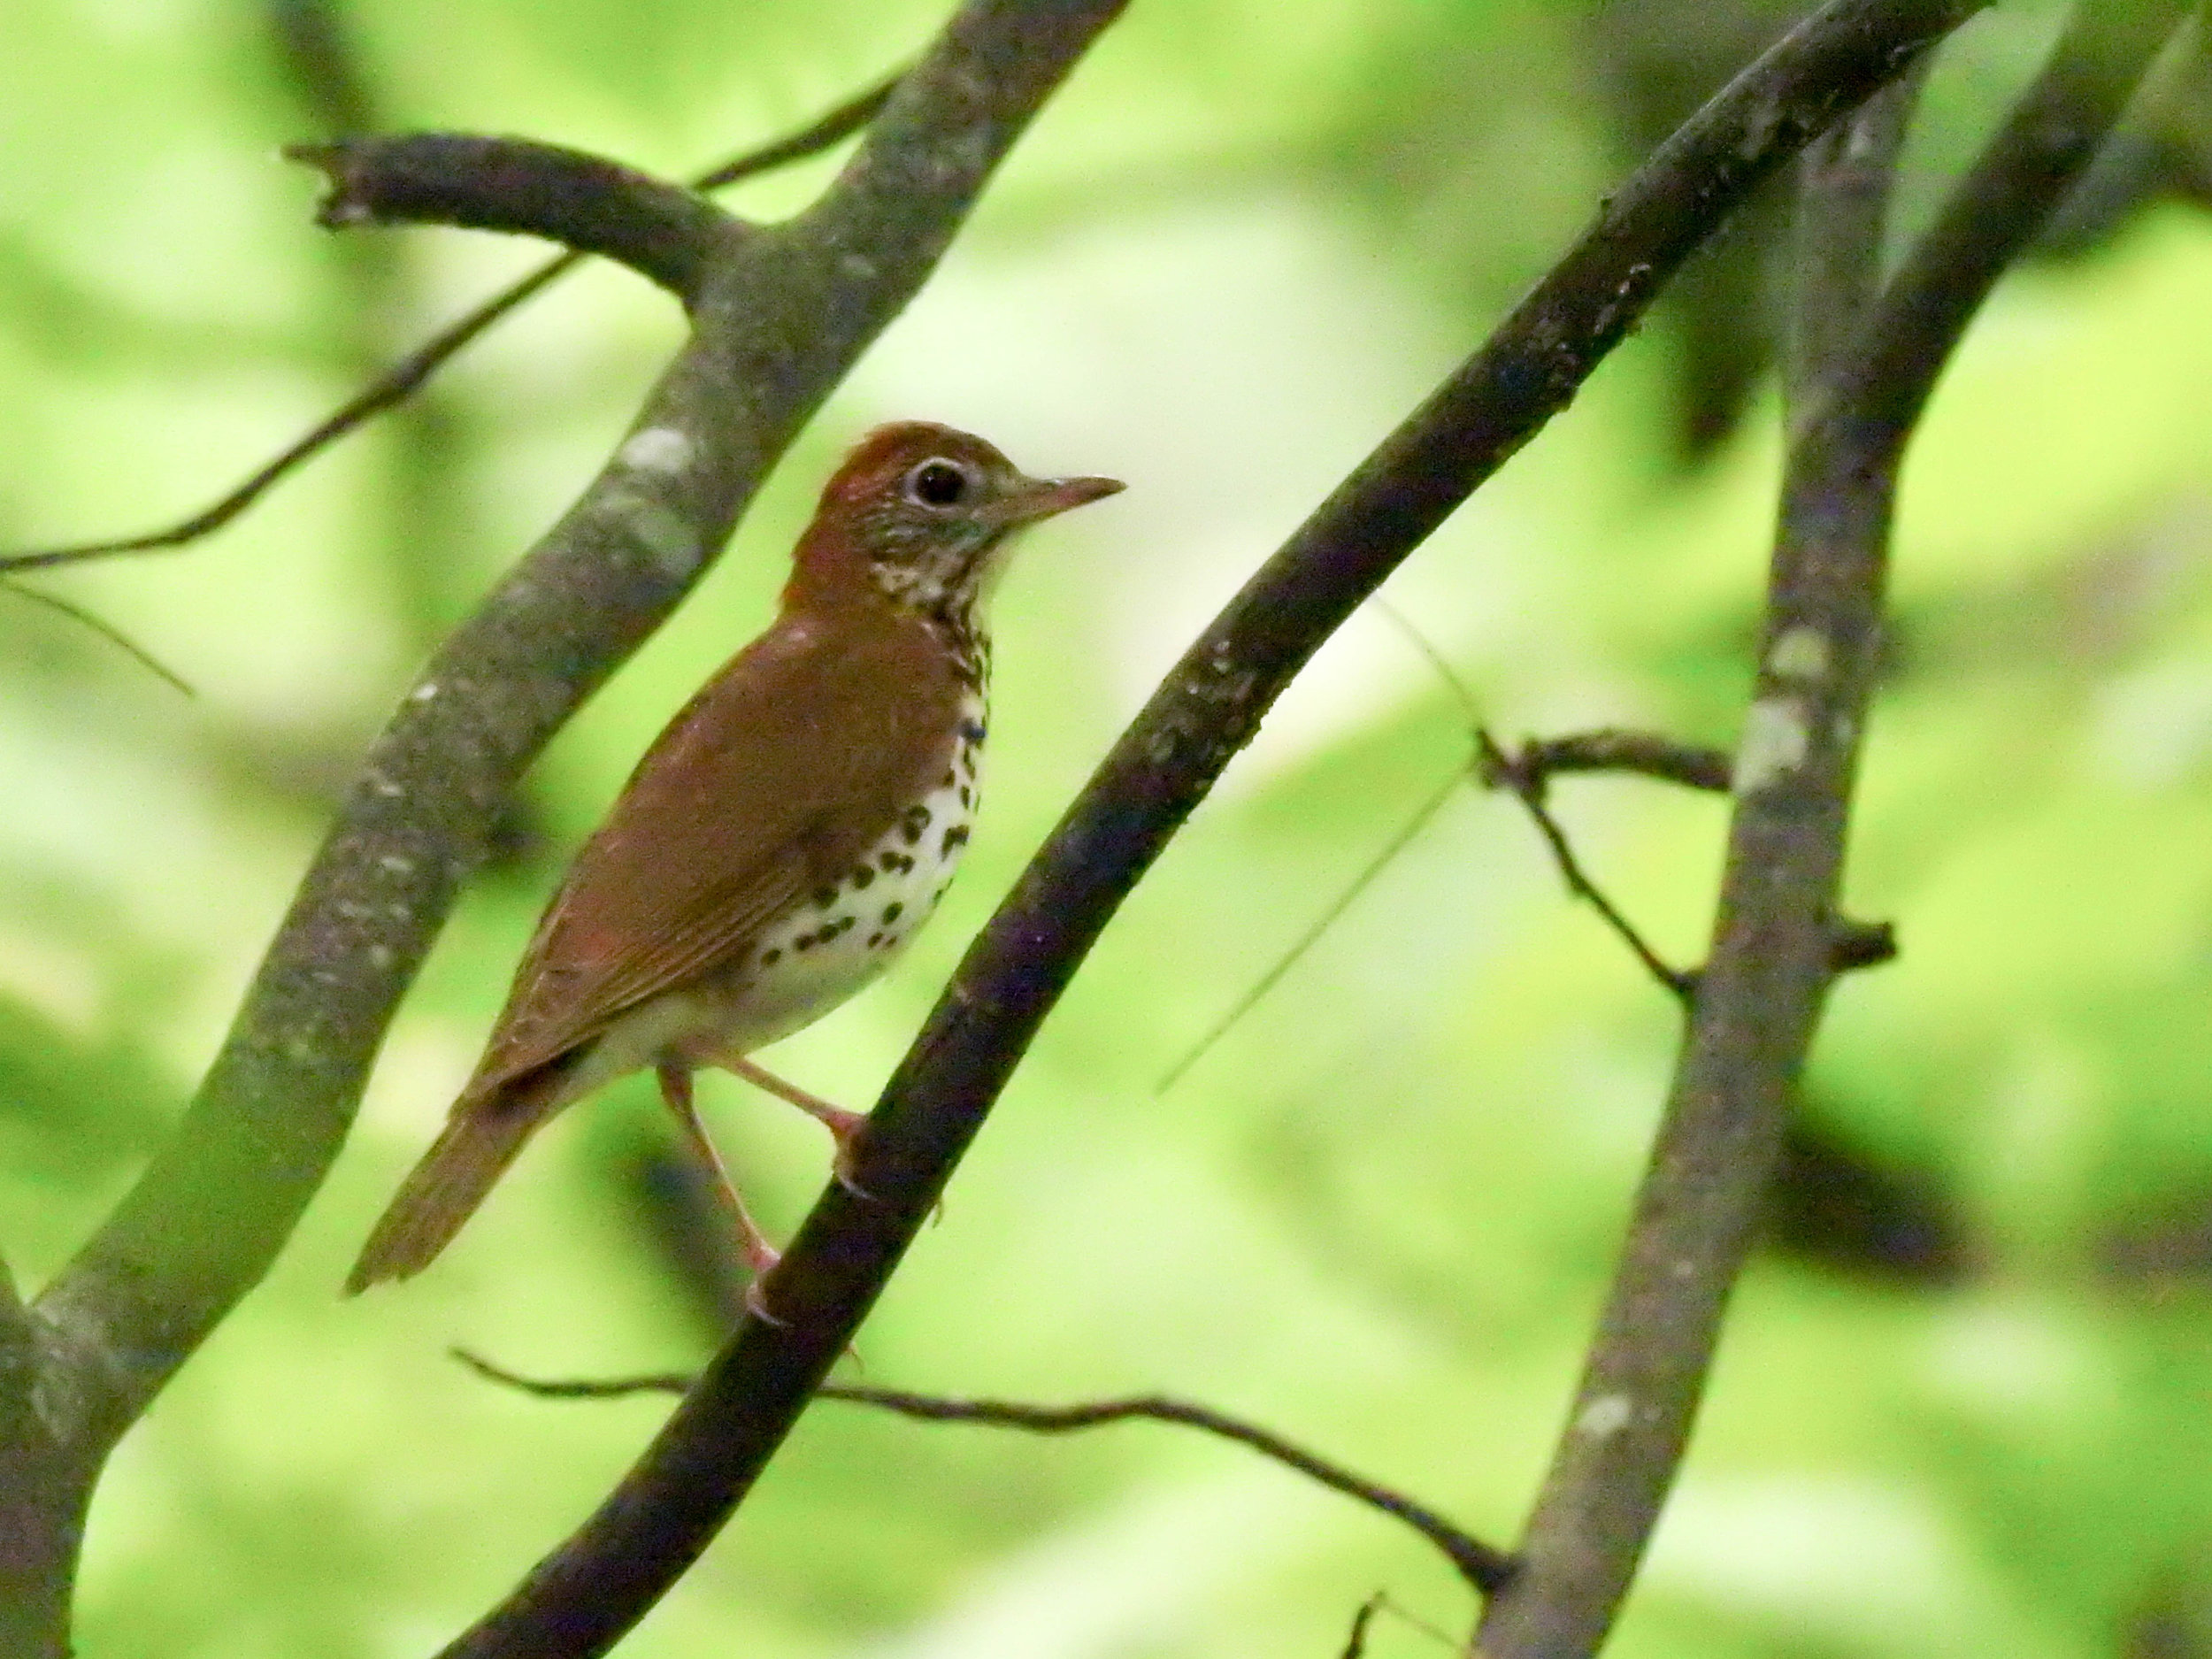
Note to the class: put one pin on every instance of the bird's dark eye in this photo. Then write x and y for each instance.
(938, 483)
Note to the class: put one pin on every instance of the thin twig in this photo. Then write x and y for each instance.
(1385, 855)
(396, 383)
(1528, 771)
(1496, 769)
(1501, 770)
(1484, 1568)
(1692, 765)
(1380, 1603)
(1356, 1643)
(105, 629)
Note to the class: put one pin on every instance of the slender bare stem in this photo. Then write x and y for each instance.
(1485, 1568)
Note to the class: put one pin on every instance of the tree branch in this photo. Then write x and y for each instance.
(706, 1455)
(1499, 770)
(1771, 966)
(393, 386)
(1539, 760)
(1528, 771)
(780, 317)
(664, 233)
(1484, 1568)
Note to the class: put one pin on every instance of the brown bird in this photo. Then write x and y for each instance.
(781, 841)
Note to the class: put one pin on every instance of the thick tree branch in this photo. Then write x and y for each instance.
(777, 322)
(1771, 966)
(1485, 1568)
(716, 1442)
(396, 383)
(664, 233)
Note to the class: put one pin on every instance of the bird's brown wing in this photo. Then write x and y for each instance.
(775, 779)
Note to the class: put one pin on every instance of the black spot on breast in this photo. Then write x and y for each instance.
(913, 831)
(862, 876)
(967, 796)
(769, 958)
(956, 835)
(824, 897)
(874, 940)
(892, 912)
(951, 777)
(971, 732)
(888, 860)
(804, 941)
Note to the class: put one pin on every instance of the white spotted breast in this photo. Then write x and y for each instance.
(843, 935)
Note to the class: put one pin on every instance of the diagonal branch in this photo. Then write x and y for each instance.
(777, 322)
(713, 1447)
(1485, 1568)
(1769, 968)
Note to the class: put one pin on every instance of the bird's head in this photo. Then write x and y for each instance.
(922, 515)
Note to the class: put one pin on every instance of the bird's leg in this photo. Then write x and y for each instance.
(845, 1127)
(760, 1256)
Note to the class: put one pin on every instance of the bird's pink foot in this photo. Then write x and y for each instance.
(845, 1127)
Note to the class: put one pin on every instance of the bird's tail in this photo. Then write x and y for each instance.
(479, 1140)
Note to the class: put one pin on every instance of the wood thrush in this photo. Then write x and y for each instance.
(781, 841)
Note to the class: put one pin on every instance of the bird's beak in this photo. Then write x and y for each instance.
(1038, 499)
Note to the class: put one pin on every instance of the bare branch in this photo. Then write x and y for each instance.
(664, 233)
(1383, 857)
(1770, 963)
(1539, 760)
(1500, 770)
(1528, 771)
(1485, 1568)
(105, 629)
(394, 385)
(720, 1436)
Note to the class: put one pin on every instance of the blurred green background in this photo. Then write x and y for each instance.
(1962, 1405)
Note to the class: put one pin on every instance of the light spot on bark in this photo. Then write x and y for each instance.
(1775, 739)
(1801, 653)
(656, 450)
(424, 693)
(1605, 1417)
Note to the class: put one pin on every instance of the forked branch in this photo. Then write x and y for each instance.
(1867, 359)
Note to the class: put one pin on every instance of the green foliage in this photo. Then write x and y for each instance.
(1379, 1214)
